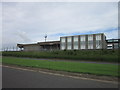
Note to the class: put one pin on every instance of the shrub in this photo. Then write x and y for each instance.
(94, 55)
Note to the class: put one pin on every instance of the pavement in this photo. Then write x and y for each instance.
(26, 78)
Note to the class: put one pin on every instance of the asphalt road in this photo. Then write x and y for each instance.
(15, 78)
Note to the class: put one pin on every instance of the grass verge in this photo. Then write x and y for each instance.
(88, 68)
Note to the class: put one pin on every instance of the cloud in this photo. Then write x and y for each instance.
(112, 34)
(30, 21)
(23, 36)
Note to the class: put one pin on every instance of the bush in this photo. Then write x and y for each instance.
(94, 55)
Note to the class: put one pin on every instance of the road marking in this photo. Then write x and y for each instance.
(75, 77)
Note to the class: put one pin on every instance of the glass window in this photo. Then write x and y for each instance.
(82, 38)
(82, 42)
(82, 46)
(98, 37)
(69, 42)
(110, 41)
(109, 44)
(109, 47)
(62, 46)
(90, 41)
(90, 37)
(62, 39)
(115, 45)
(90, 44)
(116, 40)
(98, 44)
(75, 40)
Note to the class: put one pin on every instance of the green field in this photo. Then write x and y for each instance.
(88, 68)
(94, 55)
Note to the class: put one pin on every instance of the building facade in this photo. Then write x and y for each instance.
(113, 43)
(78, 42)
(40, 46)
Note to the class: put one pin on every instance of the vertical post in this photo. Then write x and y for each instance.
(79, 42)
(45, 37)
(60, 44)
(72, 43)
(94, 41)
(66, 43)
(113, 44)
(86, 40)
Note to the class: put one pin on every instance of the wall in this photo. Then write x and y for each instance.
(92, 41)
(32, 48)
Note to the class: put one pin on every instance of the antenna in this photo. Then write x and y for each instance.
(45, 37)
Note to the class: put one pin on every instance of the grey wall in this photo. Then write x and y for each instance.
(32, 48)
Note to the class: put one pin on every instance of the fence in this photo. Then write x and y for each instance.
(11, 49)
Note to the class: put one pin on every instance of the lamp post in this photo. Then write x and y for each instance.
(45, 37)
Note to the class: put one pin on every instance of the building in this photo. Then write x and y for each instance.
(76, 42)
(88, 41)
(40, 46)
(113, 43)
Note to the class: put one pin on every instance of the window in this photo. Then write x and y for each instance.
(82, 46)
(62, 39)
(109, 47)
(75, 40)
(98, 41)
(63, 43)
(90, 37)
(82, 42)
(69, 43)
(90, 41)
(98, 37)
(82, 38)
(116, 45)
(90, 44)
(116, 40)
(110, 41)
(98, 44)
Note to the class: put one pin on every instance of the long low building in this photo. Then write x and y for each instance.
(40, 46)
(76, 42)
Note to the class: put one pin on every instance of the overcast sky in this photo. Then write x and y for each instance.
(28, 22)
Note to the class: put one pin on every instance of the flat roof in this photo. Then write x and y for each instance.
(49, 43)
(40, 43)
(83, 35)
(21, 45)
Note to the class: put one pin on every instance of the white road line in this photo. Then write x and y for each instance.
(61, 75)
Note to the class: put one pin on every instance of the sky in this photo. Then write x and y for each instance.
(28, 22)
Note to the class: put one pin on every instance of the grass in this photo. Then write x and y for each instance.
(88, 68)
(94, 55)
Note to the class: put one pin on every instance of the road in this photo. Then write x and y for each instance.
(18, 78)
